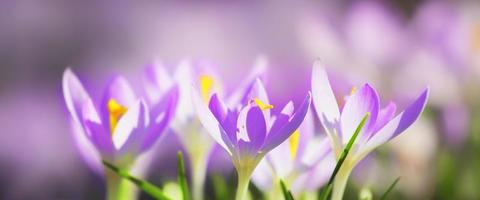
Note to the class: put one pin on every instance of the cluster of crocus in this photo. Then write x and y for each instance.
(262, 141)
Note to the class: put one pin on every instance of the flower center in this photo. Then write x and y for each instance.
(261, 105)
(293, 140)
(115, 111)
(353, 91)
(206, 86)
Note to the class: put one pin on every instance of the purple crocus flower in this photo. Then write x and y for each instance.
(249, 131)
(306, 169)
(122, 126)
(381, 126)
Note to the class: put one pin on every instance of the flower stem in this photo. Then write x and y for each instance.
(118, 188)
(341, 182)
(198, 171)
(242, 186)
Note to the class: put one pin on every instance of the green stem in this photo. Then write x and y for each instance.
(118, 188)
(341, 182)
(198, 171)
(242, 186)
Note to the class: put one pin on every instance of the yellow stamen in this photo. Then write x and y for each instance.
(206, 86)
(115, 111)
(353, 91)
(262, 105)
(294, 138)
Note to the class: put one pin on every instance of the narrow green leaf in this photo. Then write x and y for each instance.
(343, 156)
(384, 196)
(147, 187)
(182, 178)
(286, 193)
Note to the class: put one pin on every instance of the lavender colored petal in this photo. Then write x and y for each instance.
(398, 124)
(256, 128)
(384, 116)
(157, 81)
(276, 138)
(210, 123)
(364, 101)
(100, 138)
(119, 90)
(75, 95)
(218, 108)
(86, 148)
(278, 121)
(131, 127)
(323, 98)
(159, 124)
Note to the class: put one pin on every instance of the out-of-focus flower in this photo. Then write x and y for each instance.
(306, 169)
(121, 128)
(248, 131)
(381, 125)
(191, 133)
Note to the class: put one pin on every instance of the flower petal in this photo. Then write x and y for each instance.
(256, 128)
(160, 121)
(384, 116)
(276, 138)
(364, 101)
(157, 81)
(131, 128)
(120, 91)
(75, 95)
(323, 98)
(210, 123)
(398, 124)
(217, 107)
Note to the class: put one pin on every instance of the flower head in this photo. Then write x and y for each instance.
(340, 124)
(249, 131)
(122, 126)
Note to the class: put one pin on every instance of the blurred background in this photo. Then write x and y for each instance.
(399, 46)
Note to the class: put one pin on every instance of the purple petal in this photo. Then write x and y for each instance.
(217, 107)
(157, 81)
(210, 123)
(119, 90)
(160, 121)
(364, 101)
(100, 138)
(276, 138)
(256, 128)
(384, 116)
(278, 121)
(75, 95)
(256, 90)
(323, 98)
(131, 127)
(87, 150)
(398, 124)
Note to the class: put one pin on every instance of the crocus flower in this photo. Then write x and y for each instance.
(306, 169)
(191, 133)
(248, 131)
(381, 126)
(122, 126)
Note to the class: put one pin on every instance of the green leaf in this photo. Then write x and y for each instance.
(326, 192)
(182, 178)
(286, 193)
(384, 196)
(147, 187)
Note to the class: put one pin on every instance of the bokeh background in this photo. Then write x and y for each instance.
(399, 46)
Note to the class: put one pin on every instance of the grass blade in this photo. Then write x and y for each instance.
(182, 178)
(147, 187)
(384, 196)
(286, 193)
(343, 156)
